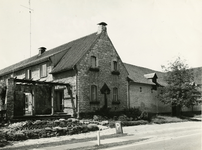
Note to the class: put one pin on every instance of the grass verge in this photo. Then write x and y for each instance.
(96, 147)
(72, 141)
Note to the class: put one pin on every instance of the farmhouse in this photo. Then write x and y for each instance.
(81, 76)
(89, 66)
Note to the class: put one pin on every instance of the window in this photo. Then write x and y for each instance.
(93, 93)
(44, 70)
(115, 94)
(93, 62)
(28, 74)
(115, 66)
(140, 89)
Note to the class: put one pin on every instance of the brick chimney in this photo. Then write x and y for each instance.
(102, 27)
(41, 50)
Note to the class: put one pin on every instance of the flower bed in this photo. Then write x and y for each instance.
(46, 128)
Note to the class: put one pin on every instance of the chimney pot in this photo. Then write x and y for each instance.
(102, 27)
(41, 50)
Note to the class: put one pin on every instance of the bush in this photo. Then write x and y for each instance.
(3, 140)
(123, 118)
(33, 134)
(132, 113)
(134, 123)
(15, 136)
(92, 127)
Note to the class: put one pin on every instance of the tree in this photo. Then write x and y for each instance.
(180, 90)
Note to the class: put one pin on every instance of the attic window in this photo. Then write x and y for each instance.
(93, 64)
(115, 68)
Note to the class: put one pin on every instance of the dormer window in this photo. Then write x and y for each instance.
(43, 71)
(93, 64)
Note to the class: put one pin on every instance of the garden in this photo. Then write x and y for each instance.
(35, 129)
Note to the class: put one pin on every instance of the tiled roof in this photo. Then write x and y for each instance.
(74, 51)
(136, 74)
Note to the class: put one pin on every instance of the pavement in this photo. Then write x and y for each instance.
(139, 134)
(136, 134)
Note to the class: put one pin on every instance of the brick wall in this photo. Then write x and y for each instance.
(105, 53)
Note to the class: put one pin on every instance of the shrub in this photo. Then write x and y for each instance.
(132, 113)
(123, 118)
(16, 136)
(92, 127)
(33, 134)
(134, 123)
(3, 140)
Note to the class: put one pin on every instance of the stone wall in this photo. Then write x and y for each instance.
(67, 77)
(105, 53)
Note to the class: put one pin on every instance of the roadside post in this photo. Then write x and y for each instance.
(98, 137)
(118, 126)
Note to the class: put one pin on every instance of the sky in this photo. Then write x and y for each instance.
(147, 33)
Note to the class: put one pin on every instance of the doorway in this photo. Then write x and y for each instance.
(28, 104)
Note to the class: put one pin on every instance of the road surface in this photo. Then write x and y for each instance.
(188, 138)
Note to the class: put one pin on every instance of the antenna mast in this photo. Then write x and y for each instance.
(30, 38)
(30, 29)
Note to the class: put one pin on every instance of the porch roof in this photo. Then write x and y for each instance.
(40, 82)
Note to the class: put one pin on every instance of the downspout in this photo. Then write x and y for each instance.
(77, 92)
(128, 93)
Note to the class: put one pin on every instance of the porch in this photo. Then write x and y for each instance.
(28, 99)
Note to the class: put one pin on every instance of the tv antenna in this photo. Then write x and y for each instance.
(30, 29)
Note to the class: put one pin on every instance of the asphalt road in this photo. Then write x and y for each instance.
(172, 141)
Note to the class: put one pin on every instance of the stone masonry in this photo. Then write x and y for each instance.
(105, 52)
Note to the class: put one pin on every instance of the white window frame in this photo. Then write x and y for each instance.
(43, 71)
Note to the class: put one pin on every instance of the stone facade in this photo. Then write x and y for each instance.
(105, 53)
